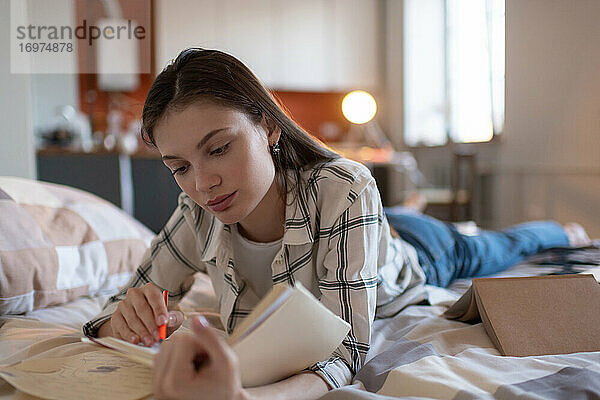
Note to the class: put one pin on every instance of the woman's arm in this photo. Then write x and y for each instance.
(304, 386)
(349, 283)
(170, 263)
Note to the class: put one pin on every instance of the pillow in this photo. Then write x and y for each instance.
(58, 243)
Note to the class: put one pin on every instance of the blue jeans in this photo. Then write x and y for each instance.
(445, 254)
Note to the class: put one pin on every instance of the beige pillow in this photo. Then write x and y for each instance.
(58, 243)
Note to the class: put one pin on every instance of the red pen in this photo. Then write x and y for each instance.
(162, 330)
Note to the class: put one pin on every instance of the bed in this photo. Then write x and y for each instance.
(91, 248)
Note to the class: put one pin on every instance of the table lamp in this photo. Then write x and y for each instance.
(359, 107)
(366, 141)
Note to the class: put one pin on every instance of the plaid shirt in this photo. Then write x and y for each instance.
(336, 242)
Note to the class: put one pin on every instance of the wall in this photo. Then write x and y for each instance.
(550, 158)
(309, 45)
(52, 91)
(28, 101)
(546, 164)
(16, 137)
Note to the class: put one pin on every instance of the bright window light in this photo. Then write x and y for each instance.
(453, 70)
(424, 73)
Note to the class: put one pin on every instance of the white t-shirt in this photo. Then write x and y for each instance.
(253, 261)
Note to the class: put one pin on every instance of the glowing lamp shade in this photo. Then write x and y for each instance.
(359, 107)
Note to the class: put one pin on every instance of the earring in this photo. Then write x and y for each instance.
(275, 149)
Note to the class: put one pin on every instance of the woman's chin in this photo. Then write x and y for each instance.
(226, 217)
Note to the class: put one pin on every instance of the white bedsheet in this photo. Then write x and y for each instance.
(431, 357)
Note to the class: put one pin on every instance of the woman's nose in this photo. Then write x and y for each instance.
(206, 180)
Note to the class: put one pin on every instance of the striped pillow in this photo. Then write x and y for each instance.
(58, 243)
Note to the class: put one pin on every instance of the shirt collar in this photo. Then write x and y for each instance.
(298, 229)
(218, 238)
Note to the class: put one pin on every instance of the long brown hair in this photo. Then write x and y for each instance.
(211, 75)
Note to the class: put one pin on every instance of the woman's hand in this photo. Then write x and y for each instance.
(139, 315)
(198, 366)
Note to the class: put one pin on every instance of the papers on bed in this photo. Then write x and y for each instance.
(534, 315)
(91, 375)
(287, 331)
(141, 354)
(49, 361)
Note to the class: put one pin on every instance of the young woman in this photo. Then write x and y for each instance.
(264, 203)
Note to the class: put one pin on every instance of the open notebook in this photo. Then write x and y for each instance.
(287, 331)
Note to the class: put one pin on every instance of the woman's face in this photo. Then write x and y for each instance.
(219, 158)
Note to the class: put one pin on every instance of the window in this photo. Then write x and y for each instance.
(453, 71)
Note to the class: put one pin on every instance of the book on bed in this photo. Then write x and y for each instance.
(287, 331)
(526, 316)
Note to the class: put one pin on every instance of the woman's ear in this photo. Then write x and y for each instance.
(273, 130)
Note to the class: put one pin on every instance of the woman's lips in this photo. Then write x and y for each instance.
(222, 203)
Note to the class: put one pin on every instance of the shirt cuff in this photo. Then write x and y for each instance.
(335, 371)
(92, 326)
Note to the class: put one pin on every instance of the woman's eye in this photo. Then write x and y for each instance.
(181, 170)
(220, 151)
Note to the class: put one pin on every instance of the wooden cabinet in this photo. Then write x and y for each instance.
(308, 45)
(147, 186)
(94, 173)
(155, 192)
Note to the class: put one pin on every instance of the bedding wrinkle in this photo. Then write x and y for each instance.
(449, 336)
(416, 353)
